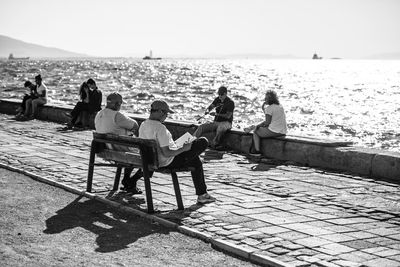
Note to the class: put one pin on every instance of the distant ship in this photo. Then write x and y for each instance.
(150, 57)
(11, 57)
(315, 56)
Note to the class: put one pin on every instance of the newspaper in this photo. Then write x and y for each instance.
(186, 138)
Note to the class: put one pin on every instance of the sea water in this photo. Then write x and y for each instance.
(354, 100)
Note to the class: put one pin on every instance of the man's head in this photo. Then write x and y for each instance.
(114, 101)
(38, 79)
(28, 84)
(159, 110)
(222, 93)
(92, 84)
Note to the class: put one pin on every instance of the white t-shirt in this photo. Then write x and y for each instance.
(42, 88)
(155, 130)
(278, 118)
(112, 121)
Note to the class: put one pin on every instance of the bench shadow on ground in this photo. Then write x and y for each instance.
(162, 209)
(115, 230)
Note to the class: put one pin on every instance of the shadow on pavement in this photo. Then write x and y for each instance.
(115, 230)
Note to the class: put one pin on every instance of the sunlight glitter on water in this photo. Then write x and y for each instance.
(339, 99)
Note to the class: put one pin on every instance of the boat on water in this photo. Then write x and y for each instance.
(150, 57)
(11, 57)
(315, 56)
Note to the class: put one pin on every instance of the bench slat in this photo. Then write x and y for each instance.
(120, 156)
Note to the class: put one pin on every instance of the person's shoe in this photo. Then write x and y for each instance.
(134, 190)
(205, 198)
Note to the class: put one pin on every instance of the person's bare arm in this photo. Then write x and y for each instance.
(168, 152)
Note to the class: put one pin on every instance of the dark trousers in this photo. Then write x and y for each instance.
(186, 159)
(23, 104)
(191, 159)
(78, 109)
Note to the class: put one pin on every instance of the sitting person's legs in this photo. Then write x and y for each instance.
(191, 159)
(28, 107)
(262, 132)
(78, 109)
(222, 128)
(129, 182)
(205, 128)
(35, 104)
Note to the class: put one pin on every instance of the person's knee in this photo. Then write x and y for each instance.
(202, 143)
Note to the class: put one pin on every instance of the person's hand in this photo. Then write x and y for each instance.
(187, 146)
(249, 129)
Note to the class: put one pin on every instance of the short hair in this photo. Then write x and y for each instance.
(38, 77)
(27, 83)
(272, 97)
(223, 90)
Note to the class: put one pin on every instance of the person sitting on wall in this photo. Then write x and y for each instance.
(81, 105)
(95, 97)
(172, 156)
(273, 125)
(223, 117)
(31, 94)
(32, 104)
(111, 120)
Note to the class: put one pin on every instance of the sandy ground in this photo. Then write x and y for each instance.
(41, 225)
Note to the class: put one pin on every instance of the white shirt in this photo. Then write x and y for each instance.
(155, 130)
(278, 118)
(42, 88)
(112, 121)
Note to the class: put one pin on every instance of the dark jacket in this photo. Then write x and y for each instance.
(95, 98)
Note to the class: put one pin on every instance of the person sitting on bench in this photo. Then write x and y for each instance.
(111, 120)
(170, 155)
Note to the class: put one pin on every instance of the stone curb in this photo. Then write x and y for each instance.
(219, 244)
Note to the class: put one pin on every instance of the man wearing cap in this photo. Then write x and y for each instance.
(40, 100)
(111, 120)
(223, 117)
(172, 156)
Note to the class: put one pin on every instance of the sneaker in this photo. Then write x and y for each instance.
(205, 198)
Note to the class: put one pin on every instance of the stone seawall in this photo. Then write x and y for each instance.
(324, 153)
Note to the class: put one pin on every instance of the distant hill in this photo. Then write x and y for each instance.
(22, 49)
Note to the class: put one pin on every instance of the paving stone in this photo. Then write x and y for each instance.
(312, 241)
(381, 263)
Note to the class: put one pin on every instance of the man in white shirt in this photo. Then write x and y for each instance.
(111, 120)
(172, 156)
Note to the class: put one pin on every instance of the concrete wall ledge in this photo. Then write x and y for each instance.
(314, 152)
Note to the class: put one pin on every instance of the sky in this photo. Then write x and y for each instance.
(195, 28)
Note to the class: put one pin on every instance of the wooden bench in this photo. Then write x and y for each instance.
(143, 154)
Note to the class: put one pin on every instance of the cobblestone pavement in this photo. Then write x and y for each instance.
(299, 215)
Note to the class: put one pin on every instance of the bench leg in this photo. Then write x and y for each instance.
(117, 177)
(91, 169)
(147, 185)
(177, 191)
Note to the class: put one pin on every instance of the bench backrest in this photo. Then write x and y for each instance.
(136, 152)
